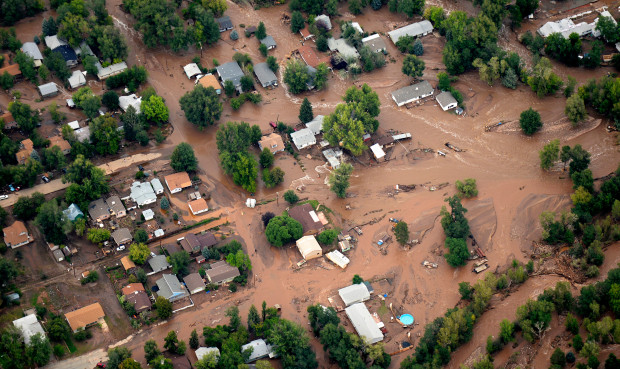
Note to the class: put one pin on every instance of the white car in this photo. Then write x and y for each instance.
(120, 248)
(4, 197)
(153, 254)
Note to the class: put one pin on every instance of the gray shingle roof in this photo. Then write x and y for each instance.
(445, 98)
(194, 282)
(98, 209)
(303, 138)
(224, 22)
(265, 75)
(230, 72)
(77, 79)
(412, 92)
(32, 50)
(414, 29)
(48, 89)
(170, 287)
(111, 70)
(159, 263)
(354, 293)
(269, 42)
(374, 42)
(121, 236)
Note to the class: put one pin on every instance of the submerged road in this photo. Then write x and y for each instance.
(86, 361)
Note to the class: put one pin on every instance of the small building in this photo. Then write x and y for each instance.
(323, 21)
(191, 70)
(385, 141)
(309, 247)
(207, 240)
(16, 235)
(565, 27)
(142, 193)
(158, 263)
(53, 42)
(32, 50)
(354, 293)
(157, 186)
(171, 248)
(11, 69)
(316, 124)
(338, 258)
(75, 125)
(48, 90)
(177, 182)
(111, 70)
(132, 288)
(305, 33)
(418, 29)
(201, 352)
(221, 273)
(63, 145)
(58, 255)
(68, 54)
(269, 42)
(98, 210)
(77, 79)
(333, 157)
(341, 46)
(260, 350)
(128, 265)
(28, 327)
(377, 152)
(116, 206)
(225, 24)
(82, 134)
(364, 324)
(190, 243)
(148, 214)
(446, 100)
(303, 138)
(9, 121)
(375, 43)
(198, 206)
(73, 212)
(265, 75)
(170, 288)
(209, 80)
(130, 100)
(230, 72)
(412, 93)
(85, 317)
(357, 27)
(310, 57)
(158, 233)
(140, 301)
(308, 218)
(273, 142)
(122, 236)
(26, 151)
(194, 283)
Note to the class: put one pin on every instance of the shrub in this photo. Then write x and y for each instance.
(328, 236)
(357, 279)
(232, 287)
(467, 188)
(291, 197)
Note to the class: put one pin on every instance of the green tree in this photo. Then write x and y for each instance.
(282, 230)
(194, 343)
(292, 344)
(608, 29)
(240, 260)
(116, 356)
(506, 330)
(131, 123)
(530, 121)
(243, 168)
(549, 154)
(266, 158)
(296, 76)
(171, 342)
(139, 252)
(183, 158)
(229, 89)
(339, 180)
(413, 66)
(401, 231)
(53, 223)
(458, 252)
(580, 160)
(105, 135)
(26, 66)
(305, 111)
(112, 44)
(163, 307)
(90, 64)
(320, 76)
(272, 63)
(154, 109)
(355, 7)
(454, 223)
(247, 83)
(130, 363)
(151, 351)
(38, 350)
(572, 324)
(53, 158)
(6, 81)
(542, 80)
(56, 63)
(291, 197)
(575, 110)
(297, 22)
(569, 90)
(236, 136)
(98, 235)
(110, 99)
(261, 31)
(510, 79)
(180, 263)
(26, 118)
(327, 237)
(25, 208)
(344, 128)
(44, 73)
(467, 188)
(273, 177)
(253, 319)
(49, 27)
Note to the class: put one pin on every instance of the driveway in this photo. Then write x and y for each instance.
(86, 361)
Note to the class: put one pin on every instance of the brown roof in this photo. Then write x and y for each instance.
(273, 142)
(132, 288)
(207, 239)
(198, 205)
(27, 149)
(140, 301)
(180, 362)
(311, 57)
(8, 118)
(85, 316)
(193, 282)
(16, 233)
(12, 69)
(190, 243)
(210, 80)
(60, 142)
(127, 263)
(301, 214)
(178, 180)
(171, 248)
(221, 271)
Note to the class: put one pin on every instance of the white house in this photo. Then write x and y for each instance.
(446, 101)
(412, 93)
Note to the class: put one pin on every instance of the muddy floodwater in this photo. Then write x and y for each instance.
(513, 190)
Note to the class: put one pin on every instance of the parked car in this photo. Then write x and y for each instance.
(45, 179)
(120, 248)
(4, 197)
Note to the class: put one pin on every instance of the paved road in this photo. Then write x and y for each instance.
(86, 361)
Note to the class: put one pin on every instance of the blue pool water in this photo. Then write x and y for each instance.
(406, 319)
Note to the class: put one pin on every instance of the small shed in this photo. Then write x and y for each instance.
(269, 42)
(378, 152)
(446, 101)
(75, 124)
(225, 24)
(191, 70)
(309, 247)
(58, 255)
(48, 90)
(157, 186)
(354, 293)
(77, 79)
(201, 352)
(194, 283)
(127, 263)
(148, 214)
(338, 258)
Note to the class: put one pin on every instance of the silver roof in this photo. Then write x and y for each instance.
(269, 42)
(364, 323)
(303, 137)
(32, 50)
(230, 71)
(48, 89)
(414, 29)
(445, 98)
(264, 74)
(411, 92)
(354, 293)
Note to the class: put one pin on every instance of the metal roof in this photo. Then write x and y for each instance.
(157, 186)
(303, 138)
(413, 92)
(342, 47)
(29, 326)
(32, 50)
(354, 293)
(377, 151)
(364, 323)
(142, 193)
(260, 349)
(374, 42)
(204, 351)
(265, 75)
(191, 70)
(269, 42)
(445, 99)
(230, 72)
(53, 42)
(67, 53)
(48, 89)
(130, 100)
(316, 124)
(111, 70)
(414, 29)
(325, 20)
(77, 79)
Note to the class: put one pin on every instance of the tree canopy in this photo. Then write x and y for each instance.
(283, 229)
(183, 158)
(201, 106)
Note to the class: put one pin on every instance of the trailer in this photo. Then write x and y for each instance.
(480, 268)
(452, 147)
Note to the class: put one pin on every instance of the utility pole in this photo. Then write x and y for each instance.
(277, 198)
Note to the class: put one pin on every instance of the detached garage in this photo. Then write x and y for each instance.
(309, 248)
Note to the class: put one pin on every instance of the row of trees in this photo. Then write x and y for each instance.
(456, 228)
(233, 141)
(299, 78)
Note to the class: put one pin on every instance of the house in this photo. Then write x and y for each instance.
(48, 90)
(260, 350)
(85, 317)
(148, 214)
(198, 206)
(127, 263)
(357, 27)
(316, 124)
(323, 21)
(273, 142)
(385, 141)
(25, 152)
(75, 124)
(375, 43)
(341, 46)
(58, 255)
(221, 273)
(9, 121)
(303, 138)
(157, 186)
(82, 134)
(158, 233)
(224, 23)
(201, 352)
(364, 324)
(53, 42)
(29, 326)
(190, 243)
(412, 93)
(230, 72)
(171, 248)
(565, 27)
(377, 152)
(333, 157)
(77, 79)
(310, 57)
(158, 263)
(446, 100)
(68, 54)
(419, 29)
(131, 100)
(308, 218)
(140, 301)
(309, 247)
(98, 210)
(265, 75)
(170, 288)
(132, 288)
(207, 240)
(191, 70)
(269, 42)
(194, 283)
(73, 212)
(251, 30)
(177, 182)
(338, 258)
(354, 293)
(32, 50)
(142, 193)
(209, 80)
(116, 206)
(122, 236)
(11, 69)
(111, 70)
(305, 34)
(83, 48)
(63, 145)
(604, 13)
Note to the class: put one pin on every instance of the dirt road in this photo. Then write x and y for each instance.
(86, 361)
